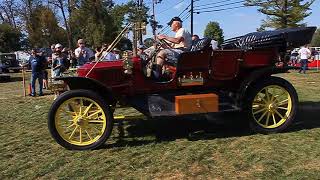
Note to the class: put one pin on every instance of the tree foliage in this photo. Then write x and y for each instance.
(282, 13)
(9, 38)
(64, 21)
(214, 31)
(92, 21)
(316, 39)
(43, 28)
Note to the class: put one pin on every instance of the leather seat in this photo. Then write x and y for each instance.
(197, 48)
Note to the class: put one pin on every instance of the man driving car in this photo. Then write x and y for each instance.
(180, 43)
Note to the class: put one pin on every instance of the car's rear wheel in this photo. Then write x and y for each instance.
(80, 120)
(272, 105)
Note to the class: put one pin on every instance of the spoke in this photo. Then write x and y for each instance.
(280, 94)
(73, 108)
(258, 103)
(273, 97)
(274, 119)
(92, 126)
(88, 134)
(95, 121)
(283, 102)
(268, 117)
(280, 115)
(264, 114)
(87, 109)
(284, 108)
(73, 132)
(95, 113)
(263, 109)
(71, 126)
(256, 106)
(80, 134)
(71, 113)
(81, 105)
(262, 98)
(267, 94)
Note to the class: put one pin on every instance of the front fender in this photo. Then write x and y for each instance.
(256, 76)
(89, 84)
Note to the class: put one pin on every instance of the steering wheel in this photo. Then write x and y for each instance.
(164, 42)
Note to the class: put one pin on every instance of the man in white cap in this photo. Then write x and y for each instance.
(180, 43)
(59, 61)
(82, 53)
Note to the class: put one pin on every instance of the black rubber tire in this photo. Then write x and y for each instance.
(80, 93)
(257, 87)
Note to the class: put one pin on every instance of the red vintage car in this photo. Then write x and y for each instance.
(237, 77)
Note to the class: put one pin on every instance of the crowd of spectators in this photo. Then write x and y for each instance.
(60, 59)
(302, 57)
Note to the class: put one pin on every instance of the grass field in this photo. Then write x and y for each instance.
(162, 149)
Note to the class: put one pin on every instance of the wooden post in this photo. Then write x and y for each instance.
(23, 83)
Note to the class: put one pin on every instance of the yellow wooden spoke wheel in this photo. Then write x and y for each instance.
(80, 119)
(273, 105)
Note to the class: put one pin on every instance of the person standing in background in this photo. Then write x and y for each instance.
(304, 53)
(82, 53)
(58, 63)
(37, 64)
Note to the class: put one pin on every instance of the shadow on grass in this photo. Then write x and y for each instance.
(131, 133)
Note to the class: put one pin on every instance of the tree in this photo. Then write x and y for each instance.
(8, 9)
(9, 38)
(316, 39)
(131, 12)
(282, 13)
(92, 21)
(43, 29)
(60, 4)
(214, 31)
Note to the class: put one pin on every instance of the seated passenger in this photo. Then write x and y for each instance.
(141, 52)
(180, 43)
(195, 38)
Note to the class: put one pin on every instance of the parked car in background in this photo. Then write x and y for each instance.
(8, 61)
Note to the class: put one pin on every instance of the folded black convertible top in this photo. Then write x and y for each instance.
(282, 38)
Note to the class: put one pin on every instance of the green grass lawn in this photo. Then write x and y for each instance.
(166, 149)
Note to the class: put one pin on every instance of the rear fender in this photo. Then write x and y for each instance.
(89, 84)
(254, 77)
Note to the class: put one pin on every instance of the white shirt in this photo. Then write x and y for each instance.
(187, 42)
(304, 53)
(85, 57)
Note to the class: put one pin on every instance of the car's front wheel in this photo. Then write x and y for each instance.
(272, 105)
(80, 120)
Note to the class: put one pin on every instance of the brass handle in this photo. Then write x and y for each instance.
(198, 103)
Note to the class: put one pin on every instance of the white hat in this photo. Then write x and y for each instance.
(58, 46)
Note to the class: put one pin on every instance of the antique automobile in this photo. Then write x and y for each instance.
(8, 61)
(236, 77)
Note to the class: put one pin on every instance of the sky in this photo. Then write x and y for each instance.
(234, 22)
